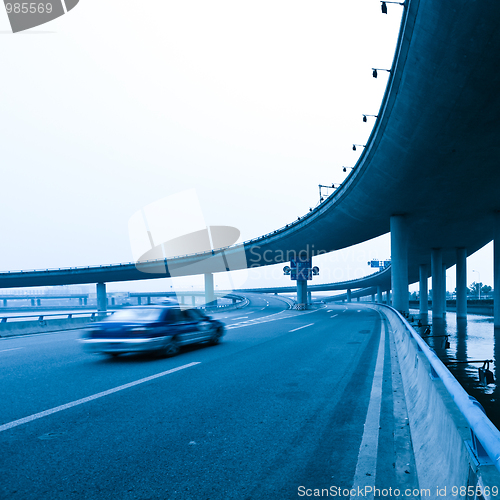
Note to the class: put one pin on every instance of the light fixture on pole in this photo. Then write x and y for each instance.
(364, 117)
(359, 145)
(327, 187)
(375, 74)
(384, 5)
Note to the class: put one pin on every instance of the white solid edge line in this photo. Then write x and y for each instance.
(300, 327)
(366, 466)
(334, 316)
(66, 406)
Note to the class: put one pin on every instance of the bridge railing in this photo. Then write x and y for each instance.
(452, 436)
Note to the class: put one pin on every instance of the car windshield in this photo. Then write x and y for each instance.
(141, 315)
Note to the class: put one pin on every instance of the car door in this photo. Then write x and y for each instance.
(202, 327)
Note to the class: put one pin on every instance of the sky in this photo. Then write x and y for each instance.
(118, 104)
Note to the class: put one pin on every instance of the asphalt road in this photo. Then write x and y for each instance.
(277, 410)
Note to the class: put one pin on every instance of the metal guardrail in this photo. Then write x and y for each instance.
(481, 426)
(43, 317)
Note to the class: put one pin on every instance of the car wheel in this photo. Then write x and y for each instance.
(172, 348)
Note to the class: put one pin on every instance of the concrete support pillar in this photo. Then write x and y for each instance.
(358, 299)
(399, 263)
(348, 295)
(437, 283)
(379, 294)
(388, 297)
(309, 297)
(182, 299)
(5, 302)
(461, 283)
(424, 288)
(80, 301)
(209, 288)
(102, 303)
(373, 297)
(302, 291)
(139, 301)
(443, 290)
(38, 302)
(496, 271)
(149, 300)
(234, 301)
(112, 301)
(193, 300)
(32, 302)
(85, 301)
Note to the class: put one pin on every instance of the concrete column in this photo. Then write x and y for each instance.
(193, 300)
(302, 291)
(80, 301)
(443, 290)
(348, 295)
(389, 298)
(85, 301)
(38, 302)
(461, 283)
(437, 283)
(139, 301)
(358, 299)
(373, 297)
(424, 289)
(33, 302)
(112, 301)
(399, 263)
(379, 294)
(309, 297)
(102, 303)
(5, 302)
(209, 288)
(496, 271)
(182, 299)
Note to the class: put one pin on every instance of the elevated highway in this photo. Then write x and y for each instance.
(431, 159)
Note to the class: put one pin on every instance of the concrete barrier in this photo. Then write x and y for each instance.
(441, 417)
(13, 328)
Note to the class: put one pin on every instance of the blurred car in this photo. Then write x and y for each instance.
(161, 329)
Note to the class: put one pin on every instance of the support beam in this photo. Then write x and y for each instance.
(399, 263)
(102, 303)
(437, 283)
(348, 295)
(461, 283)
(496, 271)
(379, 294)
(424, 289)
(209, 289)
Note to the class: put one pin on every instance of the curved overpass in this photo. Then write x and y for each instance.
(432, 156)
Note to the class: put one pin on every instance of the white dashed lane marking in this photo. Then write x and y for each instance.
(300, 327)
